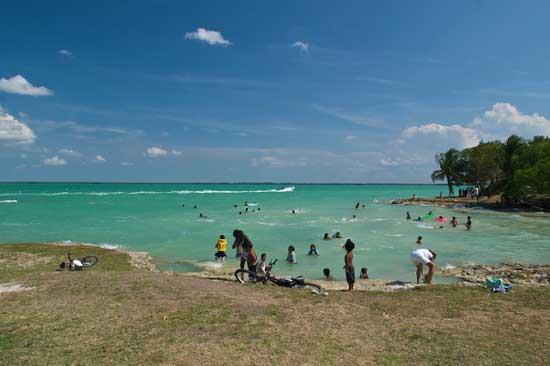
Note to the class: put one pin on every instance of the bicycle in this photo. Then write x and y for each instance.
(245, 276)
(87, 262)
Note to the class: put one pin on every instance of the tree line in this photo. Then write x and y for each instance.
(518, 168)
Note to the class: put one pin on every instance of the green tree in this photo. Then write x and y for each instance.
(449, 168)
(482, 165)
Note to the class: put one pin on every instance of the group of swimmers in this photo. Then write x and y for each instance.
(440, 219)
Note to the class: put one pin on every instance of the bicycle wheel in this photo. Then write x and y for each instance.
(316, 289)
(245, 276)
(89, 261)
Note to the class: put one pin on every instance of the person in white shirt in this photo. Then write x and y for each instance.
(74, 264)
(421, 257)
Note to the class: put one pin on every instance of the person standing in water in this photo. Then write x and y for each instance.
(348, 264)
(469, 223)
(357, 205)
(419, 241)
(237, 244)
(454, 222)
(408, 215)
(421, 257)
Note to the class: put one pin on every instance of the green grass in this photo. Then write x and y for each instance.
(17, 260)
(113, 316)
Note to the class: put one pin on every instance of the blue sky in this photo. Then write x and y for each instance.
(301, 91)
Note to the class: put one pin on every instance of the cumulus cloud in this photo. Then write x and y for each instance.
(12, 130)
(302, 46)
(19, 85)
(99, 159)
(504, 119)
(209, 36)
(69, 152)
(448, 135)
(55, 161)
(155, 152)
(65, 53)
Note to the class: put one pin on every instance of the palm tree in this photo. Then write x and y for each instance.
(449, 168)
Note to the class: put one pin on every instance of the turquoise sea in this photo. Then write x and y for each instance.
(150, 217)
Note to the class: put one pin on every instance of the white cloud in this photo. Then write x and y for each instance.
(176, 152)
(504, 119)
(388, 162)
(19, 85)
(12, 130)
(350, 137)
(376, 80)
(209, 36)
(155, 152)
(65, 53)
(68, 152)
(303, 46)
(55, 161)
(435, 133)
(338, 113)
(99, 159)
(274, 162)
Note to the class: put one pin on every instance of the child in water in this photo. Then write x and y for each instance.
(327, 275)
(364, 275)
(221, 246)
(291, 258)
(312, 250)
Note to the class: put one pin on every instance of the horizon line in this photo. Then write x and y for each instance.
(264, 183)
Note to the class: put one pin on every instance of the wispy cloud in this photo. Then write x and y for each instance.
(209, 36)
(381, 81)
(69, 152)
(99, 159)
(518, 93)
(65, 53)
(19, 85)
(340, 114)
(302, 46)
(218, 80)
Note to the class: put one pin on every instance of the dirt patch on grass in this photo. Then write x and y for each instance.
(12, 287)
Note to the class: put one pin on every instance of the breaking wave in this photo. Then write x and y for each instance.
(183, 192)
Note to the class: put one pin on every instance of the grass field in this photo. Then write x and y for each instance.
(112, 315)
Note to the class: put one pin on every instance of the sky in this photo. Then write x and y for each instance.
(254, 91)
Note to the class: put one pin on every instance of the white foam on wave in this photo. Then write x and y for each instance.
(448, 267)
(213, 265)
(424, 226)
(183, 192)
(8, 201)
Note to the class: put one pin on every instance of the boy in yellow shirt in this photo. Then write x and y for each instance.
(221, 246)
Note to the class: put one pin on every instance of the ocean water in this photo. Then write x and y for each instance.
(150, 217)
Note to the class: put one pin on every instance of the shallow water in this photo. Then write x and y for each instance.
(150, 217)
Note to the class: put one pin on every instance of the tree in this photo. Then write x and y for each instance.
(482, 165)
(449, 168)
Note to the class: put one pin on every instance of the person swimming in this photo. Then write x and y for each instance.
(364, 274)
(326, 237)
(454, 222)
(357, 205)
(419, 240)
(326, 274)
(418, 219)
(313, 250)
(293, 212)
(337, 235)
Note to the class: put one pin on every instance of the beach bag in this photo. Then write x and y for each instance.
(491, 282)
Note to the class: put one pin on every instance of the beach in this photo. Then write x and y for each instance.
(150, 218)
